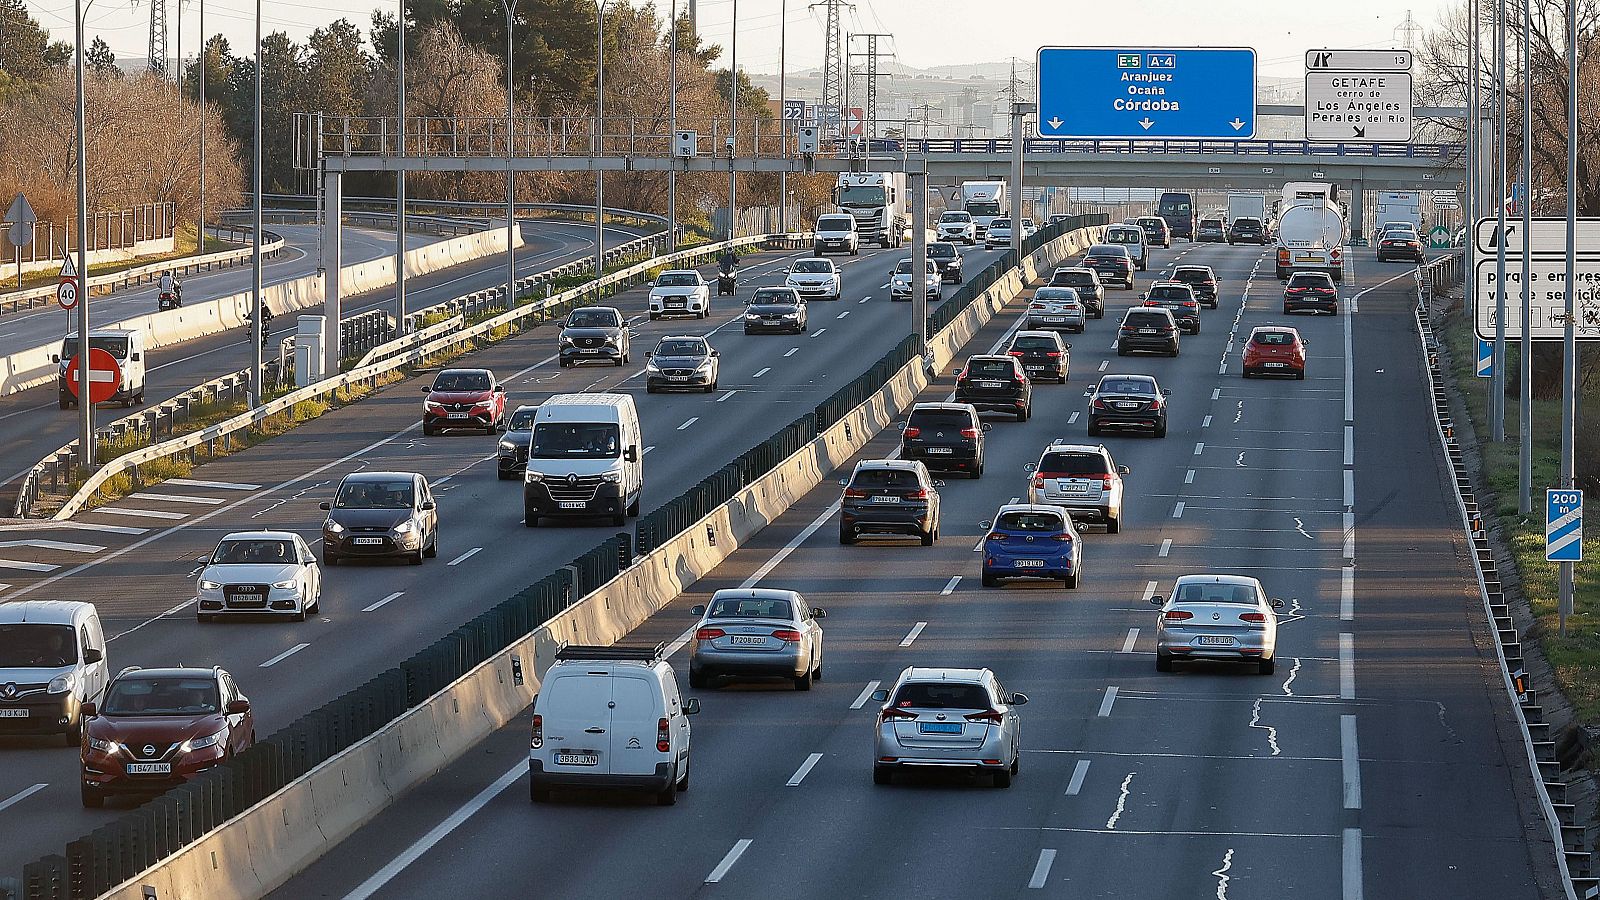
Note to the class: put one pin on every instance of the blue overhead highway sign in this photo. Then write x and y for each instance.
(1563, 526)
(1133, 93)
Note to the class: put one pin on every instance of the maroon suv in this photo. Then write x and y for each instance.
(464, 398)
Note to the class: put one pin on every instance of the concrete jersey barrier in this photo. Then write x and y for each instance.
(263, 847)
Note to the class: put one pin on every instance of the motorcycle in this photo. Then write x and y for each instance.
(169, 300)
(726, 281)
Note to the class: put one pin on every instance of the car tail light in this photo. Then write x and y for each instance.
(1062, 538)
(998, 537)
(1053, 354)
(1165, 329)
(918, 494)
(709, 634)
(537, 740)
(912, 432)
(854, 494)
(1296, 290)
(1128, 328)
(663, 739)
(787, 634)
(892, 713)
(1038, 481)
(1105, 482)
(1253, 617)
(1178, 615)
(969, 432)
(1016, 353)
(1152, 303)
(1189, 303)
(1097, 403)
(990, 716)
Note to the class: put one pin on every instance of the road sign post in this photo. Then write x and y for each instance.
(1485, 358)
(105, 376)
(1133, 93)
(1563, 539)
(21, 217)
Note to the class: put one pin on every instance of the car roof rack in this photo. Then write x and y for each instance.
(633, 653)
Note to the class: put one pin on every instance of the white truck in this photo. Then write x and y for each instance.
(1246, 206)
(985, 201)
(1311, 230)
(1399, 206)
(877, 201)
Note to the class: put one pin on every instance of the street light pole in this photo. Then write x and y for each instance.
(85, 407)
(600, 137)
(783, 116)
(400, 184)
(259, 332)
(672, 115)
(1569, 344)
(733, 121)
(510, 8)
(1525, 380)
(205, 63)
(1497, 381)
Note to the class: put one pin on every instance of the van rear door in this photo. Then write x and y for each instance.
(635, 718)
(576, 710)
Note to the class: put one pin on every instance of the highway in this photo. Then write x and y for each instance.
(1345, 774)
(138, 557)
(38, 426)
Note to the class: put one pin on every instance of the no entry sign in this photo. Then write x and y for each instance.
(104, 375)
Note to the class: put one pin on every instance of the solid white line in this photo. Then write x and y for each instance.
(1073, 419)
(1199, 448)
(1347, 594)
(804, 770)
(1352, 762)
(791, 352)
(1166, 547)
(728, 861)
(284, 655)
(1352, 864)
(865, 695)
(425, 843)
(1041, 869)
(951, 585)
(63, 546)
(762, 372)
(727, 395)
(96, 526)
(26, 566)
(394, 596)
(219, 485)
(176, 498)
(1149, 591)
(1177, 511)
(1189, 478)
(21, 795)
(1347, 667)
(819, 332)
(692, 420)
(1349, 373)
(912, 636)
(1110, 698)
(794, 543)
(142, 513)
(463, 557)
(1132, 638)
(1078, 772)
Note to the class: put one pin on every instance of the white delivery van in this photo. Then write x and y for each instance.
(125, 346)
(52, 661)
(610, 717)
(1134, 238)
(584, 459)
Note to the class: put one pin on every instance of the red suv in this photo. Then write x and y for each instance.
(1275, 350)
(157, 728)
(464, 398)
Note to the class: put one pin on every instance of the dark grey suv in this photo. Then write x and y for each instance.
(594, 334)
(890, 496)
(945, 436)
(1150, 328)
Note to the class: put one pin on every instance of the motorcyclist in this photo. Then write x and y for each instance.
(729, 262)
(170, 285)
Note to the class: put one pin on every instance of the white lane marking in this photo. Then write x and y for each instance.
(1177, 511)
(142, 513)
(383, 876)
(21, 795)
(219, 485)
(1349, 487)
(648, 449)
(1351, 760)
(394, 596)
(1122, 803)
(25, 566)
(794, 543)
(1221, 875)
(819, 332)
(3, 587)
(1041, 869)
(1347, 593)
(1352, 864)
(865, 695)
(1347, 667)
(951, 586)
(176, 498)
(63, 546)
(1189, 477)
(865, 299)
(978, 547)
(1078, 772)
(1216, 393)
(727, 395)
(911, 637)
(804, 770)
(1104, 364)
(1130, 640)
(1149, 591)
(284, 655)
(96, 526)
(1206, 422)
(764, 371)
(1293, 673)
(1272, 733)
(1349, 521)
(692, 420)
(464, 557)
(1199, 448)
(1349, 445)
(1349, 373)
(791, 352)
(843, 314)
(1105, 703)
(1166, 547)
(728, 861)
(1073, 419)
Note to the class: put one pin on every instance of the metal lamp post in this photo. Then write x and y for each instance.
(259, 331)
(205, 64)
(400, 181)
(1569, 344)
(510, 8)
(783, 115)
(1497, 383)
(733, 122)
(672, 116)
(85, 407)
(600, 136)
(1525, 407)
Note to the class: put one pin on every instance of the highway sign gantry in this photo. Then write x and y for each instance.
(104, 375)
(1563, 526)
(1132, 93)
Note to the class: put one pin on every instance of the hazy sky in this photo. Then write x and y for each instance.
(926, 32)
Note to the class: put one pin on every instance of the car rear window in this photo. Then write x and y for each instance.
(752, 608)
(941, 695)
(1099, 250)
(1057, 293)
(1072, 279)
(1274, 338)
(1067, 462)
(1146, 319)
(1038, 522)
(1246, 223)
(1034, 343)
(573, 694)
(940, 418)
(1124, 236)
(991, 368)
(1193, 275)
(1310, 280)
(1170, 293)
(1216, 593)
(885, 478)
(1127, 386)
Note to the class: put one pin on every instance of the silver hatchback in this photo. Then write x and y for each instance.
(948, 718)
(757, 632)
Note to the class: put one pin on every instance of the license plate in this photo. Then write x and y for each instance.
(591, 351)
(1029, 563)
(1128, 405)
(677, 378)
(577, 759)
(883, 498)
(13, 713)
(457, 416)
(939, 727)
(573, 504)
(747, 640)
(246, 598)
(1036, 368)
(990, 384)
(1055, 318)
(149, 768)
(1275, 365)
(1147, 331)
(1075, 487)
(369, 541)
(1210, 640)
(940, 450)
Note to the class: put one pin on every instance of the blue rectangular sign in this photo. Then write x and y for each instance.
(1563, 526)
(1125, 93)
(1485, 358)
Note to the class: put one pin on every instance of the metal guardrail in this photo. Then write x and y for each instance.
(271, 246)
(483, 209)
(441, 225)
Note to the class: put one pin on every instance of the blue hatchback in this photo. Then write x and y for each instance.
(1032, 541)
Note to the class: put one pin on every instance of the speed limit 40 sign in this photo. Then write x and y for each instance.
(67, 293)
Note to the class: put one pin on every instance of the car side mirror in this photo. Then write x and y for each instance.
(1066, 346)
(89, 710)
(985, 426)
(955, 372)
(1144, 296)
(631, 454)
(1276, 603)
(55, 357)
(500, 390)
(819, 613)
(1157, 600)
(1122, 470)
(204, 560)
(427, 390)
(938, 484)
(238, 707)
(1018, 699)
(1166, 392)
(1030, 467)
(698, 610)
(649, 354)
(428, 506)
(92, 655)
(844, 482)
(691, 706)
(324, 505)
(136, 357)
(716, 353)
(880, 696)
(986, 525)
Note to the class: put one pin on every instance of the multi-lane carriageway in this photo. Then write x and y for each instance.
(1370, 764)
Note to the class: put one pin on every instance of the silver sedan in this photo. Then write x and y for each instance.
(948, 718)
(1222, 617)
(757, 632)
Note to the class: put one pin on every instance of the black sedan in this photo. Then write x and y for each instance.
(1043, 354)
(682, 363)
(1311, 290)
(996, 383)
(948, 259)
(778, 309)
(1128, 401)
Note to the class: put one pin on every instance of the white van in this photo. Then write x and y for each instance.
(125, 346)
(584, 459)
(52, 661)
(610, 717)
(1132, 237)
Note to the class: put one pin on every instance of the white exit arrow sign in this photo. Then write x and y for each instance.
(1358, 60)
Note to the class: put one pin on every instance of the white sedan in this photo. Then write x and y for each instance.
(1217, 617)
(260, 572)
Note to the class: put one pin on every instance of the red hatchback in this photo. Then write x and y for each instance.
(1275, 350)
(464, 398)
(158, 728)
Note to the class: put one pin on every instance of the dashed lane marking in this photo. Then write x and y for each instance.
(144, 513)
(464, 557)
(865, 695)
(1041, 869)
(728, 861)
(804, 770)
(911, 637)
(394, 596)
(284, 655)
(219, 485)
(1078, 772)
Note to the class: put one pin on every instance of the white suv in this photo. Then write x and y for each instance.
(610, 717)
(680, 292)
(1081, 478)
(957, 225)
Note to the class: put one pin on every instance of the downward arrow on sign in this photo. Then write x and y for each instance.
(1237, 123)
(1055, 122)
(1146, 123)
(1360, 132)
